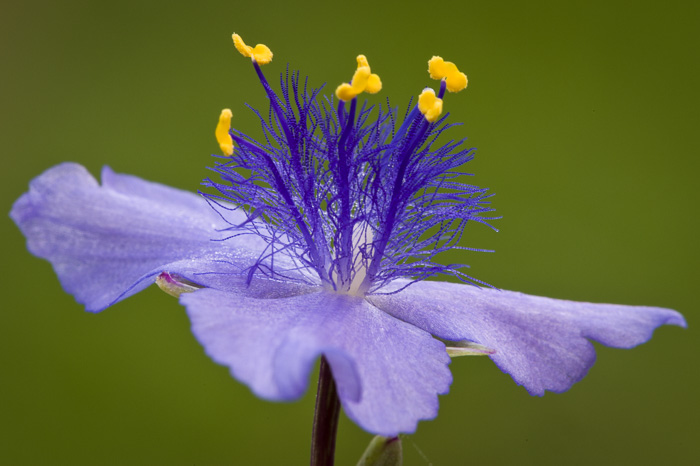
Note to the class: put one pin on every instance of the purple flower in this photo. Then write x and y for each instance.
(316, 241)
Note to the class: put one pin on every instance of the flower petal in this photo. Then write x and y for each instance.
(388, 372)
(108, 242)
(541, 342)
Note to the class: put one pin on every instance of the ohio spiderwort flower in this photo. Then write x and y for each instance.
(316, 241)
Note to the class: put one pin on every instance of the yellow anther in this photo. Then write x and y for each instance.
(244, 50)
(222, 132)
(260, 53)
(429, 105)
(362, 61)
(263, 55)
(360, 78)
(345, 92)
(374, 84)
(362, 81)
(441, 69)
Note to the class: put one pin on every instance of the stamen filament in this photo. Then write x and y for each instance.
(275, 106)
(345, 247)
(341, 112)
(443, 88)
(313, 251)
(407, 123)
(281, 187)
(388, 225)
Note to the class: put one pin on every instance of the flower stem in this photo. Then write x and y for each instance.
(325, 418)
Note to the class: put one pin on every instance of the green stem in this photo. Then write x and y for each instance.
(325, 418)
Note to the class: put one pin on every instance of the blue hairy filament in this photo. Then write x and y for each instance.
(344, 198)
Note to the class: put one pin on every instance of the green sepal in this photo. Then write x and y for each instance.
(382, 451)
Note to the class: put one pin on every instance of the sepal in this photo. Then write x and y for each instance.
(174, 285)
(382, 451)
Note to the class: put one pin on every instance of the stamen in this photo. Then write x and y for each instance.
(223, 137)
(362, 81)
(441, 69)
(430, 105)
(374, 84)
(260, 53)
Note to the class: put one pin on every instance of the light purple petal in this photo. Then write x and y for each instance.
(541, 342)
(388, 372)
(108, 242)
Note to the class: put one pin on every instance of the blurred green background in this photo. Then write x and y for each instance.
(585, 115)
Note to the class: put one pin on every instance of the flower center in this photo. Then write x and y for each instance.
(353, 200)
